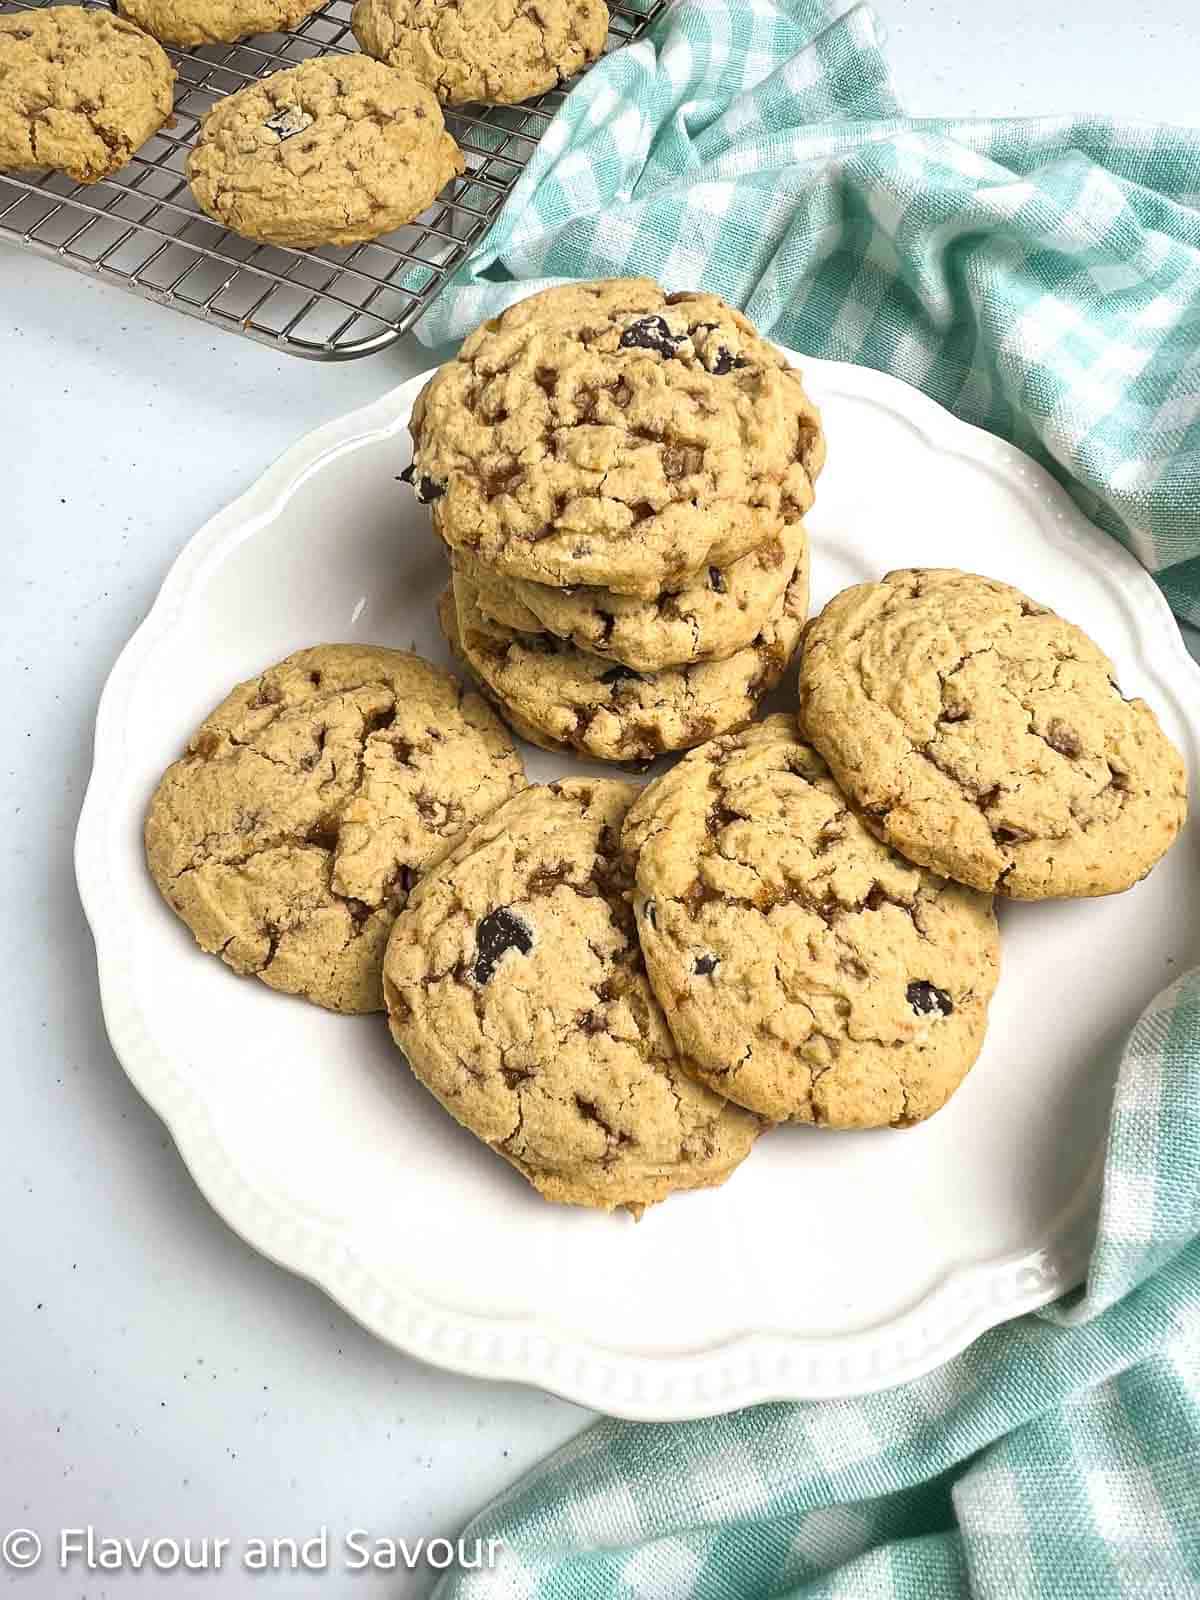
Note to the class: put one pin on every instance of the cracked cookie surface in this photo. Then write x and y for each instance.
(985, 737)
(501, 51)
(562, 698)
(721, 613)
(80, 91)
(516, 989)
(807, 971)
(611, 434)
(289, 834)
(334, 151)
(191, 22)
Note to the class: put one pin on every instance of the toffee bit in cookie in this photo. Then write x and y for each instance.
(542, 644)
(705, 966)
(928, 1001)
(1009, 835)
(651, 333)
(501, 930)
(395, 890)
(716, 580)
(288, 121)
(1063, 739)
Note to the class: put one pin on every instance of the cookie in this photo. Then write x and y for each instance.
(807, 971)
(984, 737)
(709, 621)
(560, 697)
(613, 435)
(516, 989)
(289, 834)
(186, 23)
(334, 151)
(80, 91)
(501, 51)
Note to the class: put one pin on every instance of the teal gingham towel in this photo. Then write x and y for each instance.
(1042, 279)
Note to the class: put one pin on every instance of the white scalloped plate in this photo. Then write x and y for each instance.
(830, 1264)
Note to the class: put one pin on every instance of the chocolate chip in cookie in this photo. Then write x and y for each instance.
(425, 489)
(287, 122)
(499, 932)
(928, 1000)
(652, 333)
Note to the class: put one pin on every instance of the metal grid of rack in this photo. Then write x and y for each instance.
(142, 230)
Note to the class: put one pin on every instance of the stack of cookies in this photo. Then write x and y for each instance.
(621, 478)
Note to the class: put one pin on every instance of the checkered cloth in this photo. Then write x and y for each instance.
(1042, 279)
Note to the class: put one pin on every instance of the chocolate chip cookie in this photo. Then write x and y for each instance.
(515, 987)
(986, 738)
(561, 698)
(186, 23)
(289, 834)
(335, 151)
(721, 613)
(614, 435)
(497, 50)
(80, 91)
(807, 971)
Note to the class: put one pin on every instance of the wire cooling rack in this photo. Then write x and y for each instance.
(142, 230)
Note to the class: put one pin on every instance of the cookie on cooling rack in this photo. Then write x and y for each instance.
(335, 151)
(187, 23)
(80, 91)
(501, 51)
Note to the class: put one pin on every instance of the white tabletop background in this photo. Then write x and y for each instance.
(157, 1376)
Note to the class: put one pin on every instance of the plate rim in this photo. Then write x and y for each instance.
(750, 1368)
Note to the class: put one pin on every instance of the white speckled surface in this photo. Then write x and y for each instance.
(162, 1379)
